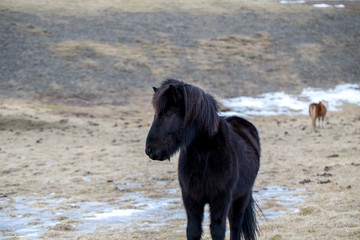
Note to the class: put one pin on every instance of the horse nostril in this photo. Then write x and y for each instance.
(150, 152)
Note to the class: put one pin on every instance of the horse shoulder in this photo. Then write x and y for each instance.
(246, 131)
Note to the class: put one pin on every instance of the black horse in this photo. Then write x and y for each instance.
(218, 163)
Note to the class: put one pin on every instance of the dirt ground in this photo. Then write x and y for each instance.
(52, 149)
(75, 110)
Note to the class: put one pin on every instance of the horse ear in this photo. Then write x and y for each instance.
(155, 89)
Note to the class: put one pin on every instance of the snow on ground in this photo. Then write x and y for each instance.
(277, 103)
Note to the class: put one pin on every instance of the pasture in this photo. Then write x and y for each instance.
(75, 110)
(57, 160)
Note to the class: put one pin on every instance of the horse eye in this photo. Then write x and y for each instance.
(169, 114)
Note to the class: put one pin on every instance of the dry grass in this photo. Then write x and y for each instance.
(49, 149)
(310, 52)
(93, 7)
(208, 55)
(78, 147)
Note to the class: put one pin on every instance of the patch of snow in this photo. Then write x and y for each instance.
(278, 103)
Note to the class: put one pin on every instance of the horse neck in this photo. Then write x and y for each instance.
(204, 142)
(189, 135)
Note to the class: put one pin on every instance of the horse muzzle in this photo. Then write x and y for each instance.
(156, 154)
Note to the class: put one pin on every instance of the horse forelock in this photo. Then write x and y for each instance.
(160, 99)
(200, 108)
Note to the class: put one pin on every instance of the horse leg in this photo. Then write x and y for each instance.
(195, 213)
(236, 216)
(219, 208)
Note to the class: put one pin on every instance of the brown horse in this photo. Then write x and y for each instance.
(318, 111)
(219, 159)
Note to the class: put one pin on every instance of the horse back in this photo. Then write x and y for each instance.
(319, 109)
(246, 131)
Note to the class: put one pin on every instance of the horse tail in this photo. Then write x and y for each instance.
(249, 226)
(312, 113)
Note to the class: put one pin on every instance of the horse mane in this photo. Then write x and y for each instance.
(199, 108)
